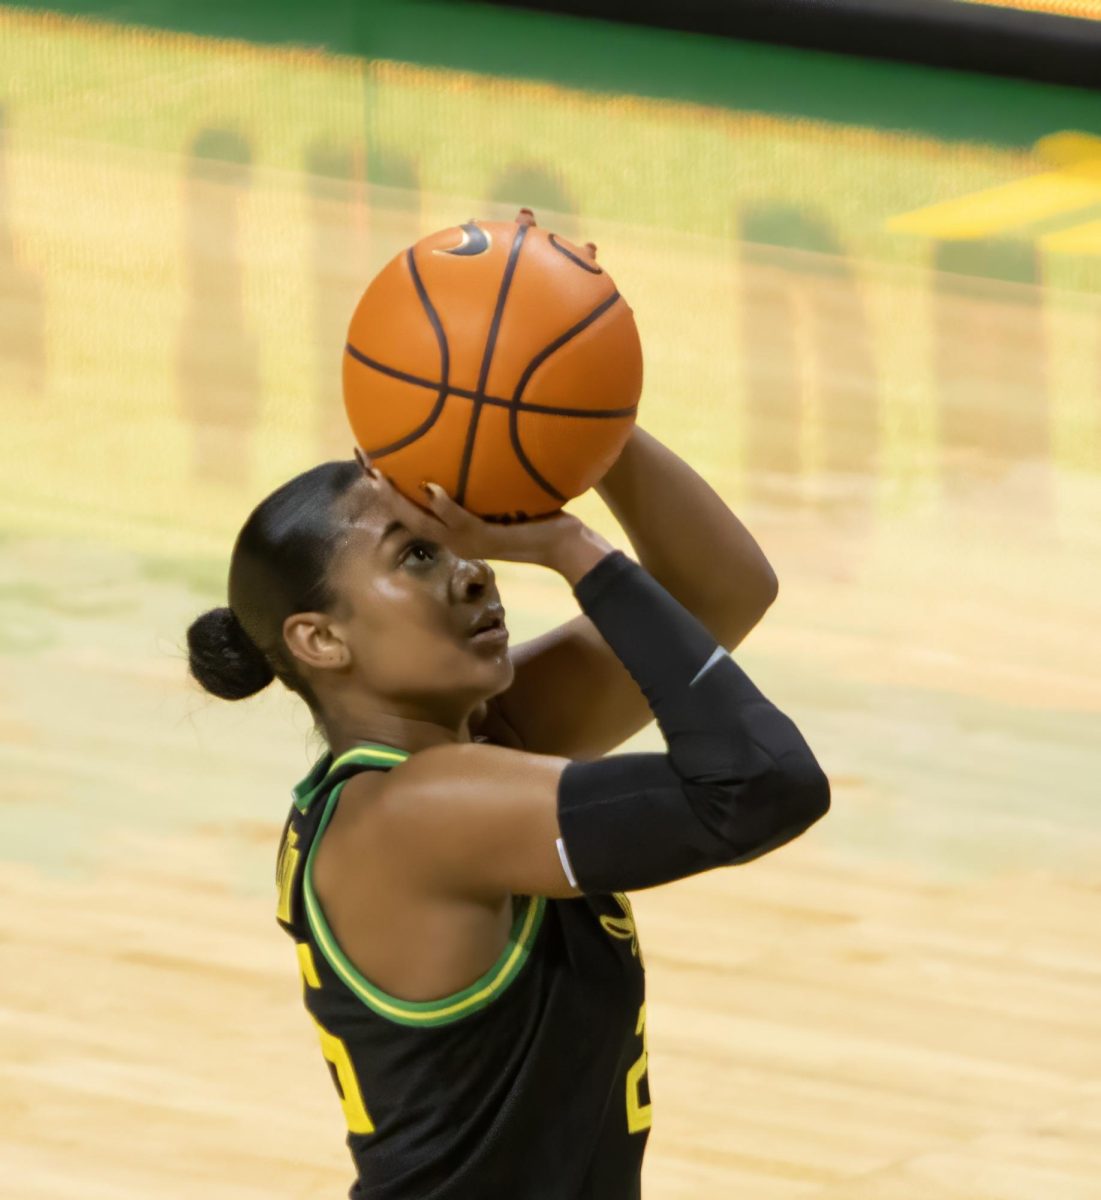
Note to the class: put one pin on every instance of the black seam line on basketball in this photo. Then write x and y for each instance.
(592, 268)
(552, 410)
(445, 358)
(529, 370)
(445, 367)
(487, 359)
(437, 324)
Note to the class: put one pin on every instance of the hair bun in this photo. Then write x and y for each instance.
(223, 658)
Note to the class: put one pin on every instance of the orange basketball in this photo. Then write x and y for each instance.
(498, 360)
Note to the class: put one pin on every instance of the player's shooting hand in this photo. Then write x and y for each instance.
(535, 540)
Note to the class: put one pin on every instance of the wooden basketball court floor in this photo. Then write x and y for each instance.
(904, 1004)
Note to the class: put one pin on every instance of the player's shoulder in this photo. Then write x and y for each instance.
(383, 818)
(371, 793)
(451, 775)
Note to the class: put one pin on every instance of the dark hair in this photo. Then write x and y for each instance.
(279, 566)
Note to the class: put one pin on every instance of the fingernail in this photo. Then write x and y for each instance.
(426, 486)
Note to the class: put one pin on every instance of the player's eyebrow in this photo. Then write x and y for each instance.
(393, 527)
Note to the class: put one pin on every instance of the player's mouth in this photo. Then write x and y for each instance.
(489, 628)
(497, 633)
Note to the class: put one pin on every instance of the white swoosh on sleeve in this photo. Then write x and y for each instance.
(717, 654)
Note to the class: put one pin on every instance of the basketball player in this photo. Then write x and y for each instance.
(454, 868)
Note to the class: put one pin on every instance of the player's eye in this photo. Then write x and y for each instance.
(415, 547)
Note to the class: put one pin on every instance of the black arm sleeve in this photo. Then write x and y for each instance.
(738, 778)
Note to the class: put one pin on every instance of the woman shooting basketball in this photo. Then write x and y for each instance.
(453, 870)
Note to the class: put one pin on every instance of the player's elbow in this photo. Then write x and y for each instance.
(805, 789)
(774, 807)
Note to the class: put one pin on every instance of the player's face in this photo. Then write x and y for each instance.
(406, 609)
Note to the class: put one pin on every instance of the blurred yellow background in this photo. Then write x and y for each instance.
(880, 344)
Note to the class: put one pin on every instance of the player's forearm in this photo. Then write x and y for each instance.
(687, 539)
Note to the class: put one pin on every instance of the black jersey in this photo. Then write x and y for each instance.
(529, 1084)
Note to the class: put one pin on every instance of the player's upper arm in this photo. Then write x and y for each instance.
(476, 820)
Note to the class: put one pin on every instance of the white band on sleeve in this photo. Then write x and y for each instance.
(565, 862)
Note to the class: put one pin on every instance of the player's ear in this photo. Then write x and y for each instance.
(311, 638)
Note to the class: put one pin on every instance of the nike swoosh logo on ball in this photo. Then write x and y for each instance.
(475, 241)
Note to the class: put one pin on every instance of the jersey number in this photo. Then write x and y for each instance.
(336, 1054)
(639, 1115)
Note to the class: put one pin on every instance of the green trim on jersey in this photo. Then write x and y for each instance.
(373, 753)
(420, 1013)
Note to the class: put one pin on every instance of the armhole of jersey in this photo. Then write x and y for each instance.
(420, 1013)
